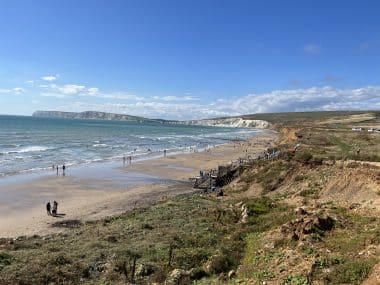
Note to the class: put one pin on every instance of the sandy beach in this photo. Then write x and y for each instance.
(98, 191)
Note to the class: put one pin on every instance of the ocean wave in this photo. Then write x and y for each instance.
(101, 145)
(10, 145)
(31, 149)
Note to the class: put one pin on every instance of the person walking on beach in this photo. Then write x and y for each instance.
(164, 152)
(55, 208)
(124, 160)
(130, 159)
(48, 207)
(63, 170)
(57, 170)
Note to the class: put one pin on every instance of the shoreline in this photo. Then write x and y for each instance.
(106, 192)
(33, 173)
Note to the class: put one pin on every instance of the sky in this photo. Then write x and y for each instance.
(188, 59)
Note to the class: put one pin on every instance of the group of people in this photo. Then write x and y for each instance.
(129, 158)
(52, 211)
(57, 168)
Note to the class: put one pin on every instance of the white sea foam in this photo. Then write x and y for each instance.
(27, 149)
(32, 149)
(100, 145)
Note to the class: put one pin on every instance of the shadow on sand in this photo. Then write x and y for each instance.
(58, 215)
(67, 224)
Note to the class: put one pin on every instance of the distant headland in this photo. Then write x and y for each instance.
(237, 122)
(92, 115)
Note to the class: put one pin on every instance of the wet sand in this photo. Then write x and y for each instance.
(97, 191)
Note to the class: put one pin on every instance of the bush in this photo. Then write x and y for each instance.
(218, 264)
(300, 177)
(316, 160)
(5, 259)
(197, 273)
(351, 272)
(259, 206)
(296, 280)
(304, 157)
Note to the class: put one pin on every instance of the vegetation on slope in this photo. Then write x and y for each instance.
(300, 219)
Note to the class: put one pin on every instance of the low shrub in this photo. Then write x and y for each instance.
(351, 272)
(304, 156)
(5, 259)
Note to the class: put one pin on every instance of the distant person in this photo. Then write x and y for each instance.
(63, 170)
(53, 167)
(57, 170)
(124, 161)
(164, 152)
(130, 160)
(48, 208)
(55, 208)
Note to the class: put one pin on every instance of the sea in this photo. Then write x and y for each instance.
(32, 144)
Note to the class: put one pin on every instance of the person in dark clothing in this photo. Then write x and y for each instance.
(55, 208)
(48, 207)
(63, 170)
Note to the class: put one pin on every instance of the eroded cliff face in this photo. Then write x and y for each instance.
(232, 123)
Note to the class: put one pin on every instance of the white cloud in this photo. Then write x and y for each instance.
(16, 90)
(308, 99)
(118, 95)
(30, 81)
(312, 48)
(70, 89)
(52, 94)
(49, 78)
(151, 109)
(62, 91)
(93, 91)
(175, 98)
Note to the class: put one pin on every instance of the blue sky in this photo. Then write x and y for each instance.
(188, 59)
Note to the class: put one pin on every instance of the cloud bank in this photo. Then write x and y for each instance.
(295, 100)
(310, 99)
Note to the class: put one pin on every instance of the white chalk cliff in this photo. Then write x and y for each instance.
(232, 123)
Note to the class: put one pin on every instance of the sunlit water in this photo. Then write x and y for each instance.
(30, 144)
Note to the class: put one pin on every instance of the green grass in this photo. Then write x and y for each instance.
(296, 279)
(204, 235)
(342, 145)
(270, 176)
(297, 117)
(186, 232)
(345, 242)
(5, 259)
(352, 271)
